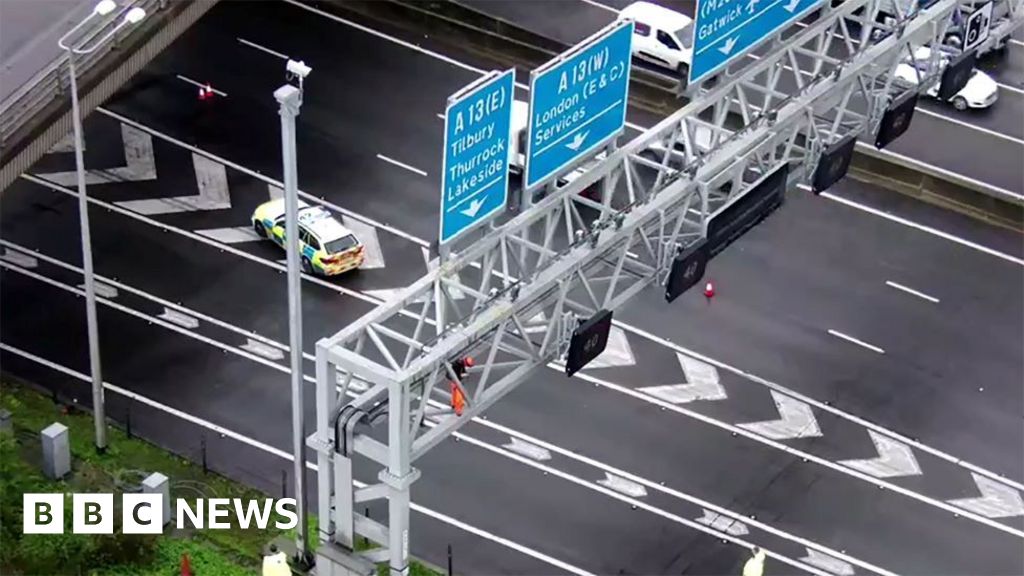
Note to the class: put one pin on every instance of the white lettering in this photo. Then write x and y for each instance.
(218, 508)
(182, 509)
(281, 508)
(252, 510)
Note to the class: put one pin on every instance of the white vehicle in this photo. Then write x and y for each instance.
(661, 36)
(981, 90)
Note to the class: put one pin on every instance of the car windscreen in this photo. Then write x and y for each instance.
(685, 35)
(341, 244)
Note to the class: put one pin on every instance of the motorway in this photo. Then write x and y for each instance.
(984, 145)
(628, 454)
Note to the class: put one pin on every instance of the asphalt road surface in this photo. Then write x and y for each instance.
(946, 390)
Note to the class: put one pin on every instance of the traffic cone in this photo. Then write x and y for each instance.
(709, 289)
(186, 567)
(458, 401)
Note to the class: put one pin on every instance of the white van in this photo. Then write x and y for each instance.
(661, 36)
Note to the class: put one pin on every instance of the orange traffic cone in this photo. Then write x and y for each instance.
(458, 400)
(186, 567)
(709, 289)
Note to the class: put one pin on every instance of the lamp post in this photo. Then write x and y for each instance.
(133, 16)
(290, 99)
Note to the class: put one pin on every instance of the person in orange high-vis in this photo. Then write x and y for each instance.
(459, 367)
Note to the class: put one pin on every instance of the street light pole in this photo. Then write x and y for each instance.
(290, 99)
(133, 16)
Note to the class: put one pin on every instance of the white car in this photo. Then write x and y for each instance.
(661, 36)
(981, 90)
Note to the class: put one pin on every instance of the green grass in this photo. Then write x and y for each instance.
(126, 461)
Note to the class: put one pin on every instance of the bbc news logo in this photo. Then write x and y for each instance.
(144, 513)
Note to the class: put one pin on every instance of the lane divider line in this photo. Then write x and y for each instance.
(263, 49)
(201, 85)
(853, 340)
(401, 164)
(921, 295)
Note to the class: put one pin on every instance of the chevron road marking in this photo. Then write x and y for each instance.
(527, 449)
(140, 163)
(996, 501)
(65, 144)
(179, 318)
(367, 234)
(212, 181)
(261, 349)
(894, 459)
(102, 290)
(796, 420)
(702, 384)
(619, 484)
(19, 258)
(826, 562)
(723, 523)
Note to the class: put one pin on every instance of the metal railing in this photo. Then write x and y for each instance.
(50, 83)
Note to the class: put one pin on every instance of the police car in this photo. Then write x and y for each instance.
(327, 247)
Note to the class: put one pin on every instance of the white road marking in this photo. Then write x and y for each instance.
(996, 500)
(931, 299)
(796, 420)
(894, 459)
(22, 259)
(102, 290)
(871, 347)
(358, 386)
(1010, 88)
(829, 563)
(212, 182)
(971, 126)
(401, 165)
(1015, 41)
(231, 235)
(820, 405)
(252, 173)
(723, 523)
(702, 383)
(527, 449)
(602, 6)
(616, 353)
(201, 85)
(257, 347)
(66, 144)
(388, 294)
(140, 163)
(619, 484)
(180, 318)
(922, 228)
(441, 116)
(373, 256)
(263, 49)
(740, 431)
(227, 433)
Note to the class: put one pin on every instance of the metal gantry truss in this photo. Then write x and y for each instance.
(511, 297)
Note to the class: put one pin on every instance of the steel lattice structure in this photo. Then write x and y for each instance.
(511, 297)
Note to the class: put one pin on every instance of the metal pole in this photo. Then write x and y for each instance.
(98, 408)
(290, 99)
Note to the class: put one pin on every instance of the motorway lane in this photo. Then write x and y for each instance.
(1005, 67)
(815, 266)
(877, 526)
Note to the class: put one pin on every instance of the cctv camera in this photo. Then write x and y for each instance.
(298, 69)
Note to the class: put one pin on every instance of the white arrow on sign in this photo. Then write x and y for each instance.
(894, 459)
(791, 6)
(728, 46)
(996, 501)
(723, 523)
(527, 449)
(827, 563)
(474, 207)
(212, 181)
(577, 140)
(139, 165)
(702, 384)
(795, 420)
(619, 484)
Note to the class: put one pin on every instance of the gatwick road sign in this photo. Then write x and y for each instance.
(728, 29)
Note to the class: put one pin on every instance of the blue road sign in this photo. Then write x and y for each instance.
(578, 102)
(728, 29)
(477, 129)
